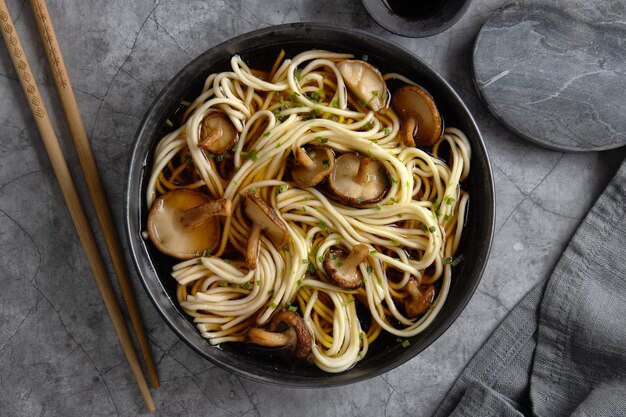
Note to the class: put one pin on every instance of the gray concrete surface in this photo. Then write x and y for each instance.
(59, 355)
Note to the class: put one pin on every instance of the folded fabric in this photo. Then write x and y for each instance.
(562, 350)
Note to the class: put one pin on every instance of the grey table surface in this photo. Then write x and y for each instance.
(59, 355)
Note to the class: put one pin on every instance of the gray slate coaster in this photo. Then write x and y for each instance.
(556, 76)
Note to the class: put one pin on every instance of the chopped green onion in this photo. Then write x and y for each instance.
(447, 260)
(373, 252)
(322, 140)
(293, 309)
(379, 207)
(365, 57)
(387, 131)
(266, 134)
(405, 343)
(273, 306)
(169, 123)
(449, 200)
(246, 285)
(252, 155)
(432, 229)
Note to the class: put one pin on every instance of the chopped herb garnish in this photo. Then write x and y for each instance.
(359, 200)
(266, 134)
(273, 306)
(334, 103)
(293, 309)
(446, 217)
(393, 180)
(379, 207)
(312, 155)
(270, 292)
(311, 269)
(380, 281)
(320, 258)
(169, 123)
(375, 93)
(432, 229)
(405, 343)
(367, 125)
(322, 140)
(375, 141)
(252, 155)
(458, 260)
(258, 282)
(278, 145)
(449, 200)
(447, 260)
(326, 162)
(322, 225)
(246, 285)
(305, 261)
(365, 57)
(315, 96)
(333, 256)
(393, 200)
(298, 74)
(298, 282)
(373, 252)
(386, 131)
(424, 228)
(281, 188)
(370, 154)
(362, 102)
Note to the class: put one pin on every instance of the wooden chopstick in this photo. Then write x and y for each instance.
(62, 173)
(92, 177)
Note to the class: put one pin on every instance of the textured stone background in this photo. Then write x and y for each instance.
(59, 355)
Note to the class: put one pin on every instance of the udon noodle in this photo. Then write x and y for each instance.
(411, 234)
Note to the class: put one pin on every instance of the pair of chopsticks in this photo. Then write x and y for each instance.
(70, 194)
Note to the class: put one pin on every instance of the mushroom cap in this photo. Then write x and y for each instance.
(343, 269)
(166, 229)
(323, 159)
(419, 300)
(365, 82)
(217, 133)
(304, 344)
(258, 211)
(343, 182)
(421, 123)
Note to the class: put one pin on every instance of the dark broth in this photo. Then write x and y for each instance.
(415, 9)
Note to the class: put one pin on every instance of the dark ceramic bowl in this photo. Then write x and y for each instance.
(416, 18)
(259, 48)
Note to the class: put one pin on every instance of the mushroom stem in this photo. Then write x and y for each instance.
(252, 251)
(194, 217)
(304, 159)
(418, 301)
(362, 175)
(409, 129)
(262, 337)
(355, 257)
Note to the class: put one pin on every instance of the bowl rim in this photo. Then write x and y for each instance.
(150, 278)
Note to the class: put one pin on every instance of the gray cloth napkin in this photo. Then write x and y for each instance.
(562, 350)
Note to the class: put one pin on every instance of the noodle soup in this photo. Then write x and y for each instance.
(315, 206)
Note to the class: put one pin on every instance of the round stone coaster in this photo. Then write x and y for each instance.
(556, 76)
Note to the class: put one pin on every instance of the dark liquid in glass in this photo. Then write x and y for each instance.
(415, 9)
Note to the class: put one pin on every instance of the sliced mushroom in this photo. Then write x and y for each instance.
(420, 121)
(365, 82)
(265, 220)
(287, 329)
(344, 269)
(312, 166)
(419, 300)
(182, 223)
(217, 133)
(358, 180)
